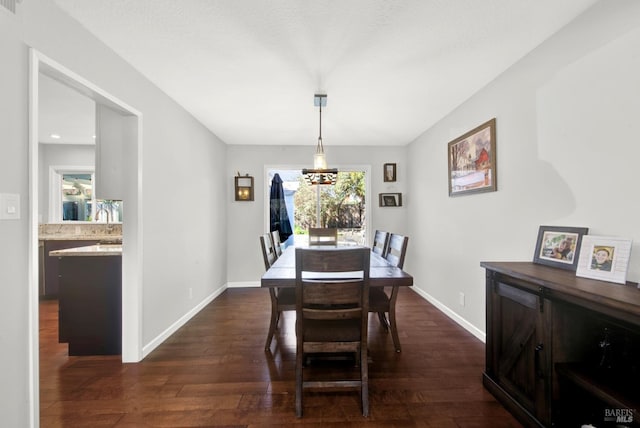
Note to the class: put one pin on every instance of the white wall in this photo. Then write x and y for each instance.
(183, 181)
(246, 220)
(567, 154)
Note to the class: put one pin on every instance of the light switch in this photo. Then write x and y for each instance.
(9, 206)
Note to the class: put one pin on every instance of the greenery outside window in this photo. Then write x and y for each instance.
(341, 205)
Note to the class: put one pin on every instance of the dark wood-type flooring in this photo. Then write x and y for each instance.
(214, 372)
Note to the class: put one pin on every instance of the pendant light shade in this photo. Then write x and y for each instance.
(320, 174)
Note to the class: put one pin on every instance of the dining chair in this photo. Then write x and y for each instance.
(323, 236)
(282, 299)
(380, 242)
(332, 293)
(382, 302)
(277, 244)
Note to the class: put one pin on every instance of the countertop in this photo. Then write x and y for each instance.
(90, 250)
(106, 239)
(105, 233)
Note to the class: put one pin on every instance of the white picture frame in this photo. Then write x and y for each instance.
(604, 258)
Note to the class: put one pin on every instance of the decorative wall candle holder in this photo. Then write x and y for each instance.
(244, 188)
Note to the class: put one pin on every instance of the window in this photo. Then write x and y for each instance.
(77, 197)
(71, 198)
(342, 206)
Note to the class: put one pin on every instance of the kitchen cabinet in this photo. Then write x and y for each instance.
(50, 265)
(562, 350)
(90, 303)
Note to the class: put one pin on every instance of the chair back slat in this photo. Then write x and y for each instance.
(268, 251)
(277, 244)
(343, 292)
(380, 242)
(397, 250)
(323, 236)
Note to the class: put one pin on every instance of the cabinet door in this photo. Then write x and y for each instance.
(50, 264)
(521, 347)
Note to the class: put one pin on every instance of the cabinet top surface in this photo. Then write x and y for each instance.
(91, 250)
(564, 284)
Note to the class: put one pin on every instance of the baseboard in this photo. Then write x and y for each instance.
(482, 336)
(158, 340)
(245, 284)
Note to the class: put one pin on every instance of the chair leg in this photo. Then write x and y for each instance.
(299, 381)
(364, 382)
(274, 319)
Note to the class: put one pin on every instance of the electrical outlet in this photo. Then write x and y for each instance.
(461, 299)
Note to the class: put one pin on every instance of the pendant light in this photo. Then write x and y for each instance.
(320, 174)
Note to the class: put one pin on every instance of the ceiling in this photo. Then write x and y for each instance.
(249, 69)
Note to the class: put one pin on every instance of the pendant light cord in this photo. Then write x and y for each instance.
(320, 146)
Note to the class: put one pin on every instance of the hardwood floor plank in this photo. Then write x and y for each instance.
(213, 372)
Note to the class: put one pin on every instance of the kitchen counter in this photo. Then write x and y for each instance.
(54, 237)
(90, 250)
(105, 233)
(107, 239)
(90, 299)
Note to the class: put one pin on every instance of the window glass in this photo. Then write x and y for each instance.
(78, 203)
(77, 196)
(341, 206)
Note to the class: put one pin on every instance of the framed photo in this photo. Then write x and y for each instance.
(389, 172)
(472, 161)
(558, 246)
(390, 199)
(604, 258)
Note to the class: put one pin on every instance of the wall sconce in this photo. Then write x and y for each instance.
(244, 187)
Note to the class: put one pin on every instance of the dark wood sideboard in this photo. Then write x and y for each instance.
(562, 351)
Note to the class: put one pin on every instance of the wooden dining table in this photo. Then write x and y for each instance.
(381, 273)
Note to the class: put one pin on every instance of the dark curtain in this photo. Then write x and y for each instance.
(279, 219)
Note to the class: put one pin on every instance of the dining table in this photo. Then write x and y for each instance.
(381, 273)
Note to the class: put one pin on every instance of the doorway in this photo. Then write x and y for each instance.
(128, 119)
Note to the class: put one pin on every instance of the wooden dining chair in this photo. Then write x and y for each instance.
(277, 245)
(282, 299)
(380, 242)
(323, 236)
(382, 301)
(332, 315)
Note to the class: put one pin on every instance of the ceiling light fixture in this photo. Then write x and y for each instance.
(320, 174)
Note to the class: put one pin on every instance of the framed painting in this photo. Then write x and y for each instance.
(558, 246)
(604, 258)
(390, 199)
(389, 172)
(472, 161)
